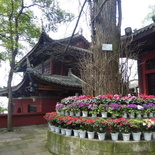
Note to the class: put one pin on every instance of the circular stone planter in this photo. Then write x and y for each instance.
(69, 145)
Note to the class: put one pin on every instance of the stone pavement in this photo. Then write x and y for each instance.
(27, 140)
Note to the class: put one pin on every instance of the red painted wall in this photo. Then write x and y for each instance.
(23, 119)
(26, 118)
(48, 105)
(43, 105)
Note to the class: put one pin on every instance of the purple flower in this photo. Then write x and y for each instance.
(144, 106)
(59, 106)
(82, 104)
(73, 104)
(92, 106)
(132, 105)
(148, 105)
(113, 106)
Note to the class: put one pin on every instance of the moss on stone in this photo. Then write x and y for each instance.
(69, 145)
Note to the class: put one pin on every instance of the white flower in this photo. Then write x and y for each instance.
(144, 124)
(139, 107)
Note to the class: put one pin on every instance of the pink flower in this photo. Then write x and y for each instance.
(116, 96)
(149, 125)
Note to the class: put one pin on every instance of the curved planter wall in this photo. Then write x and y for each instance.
(68, 145)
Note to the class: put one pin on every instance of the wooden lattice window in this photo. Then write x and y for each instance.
(47, 67)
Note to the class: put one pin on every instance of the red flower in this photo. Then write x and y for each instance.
(109, 96)
(110, 130)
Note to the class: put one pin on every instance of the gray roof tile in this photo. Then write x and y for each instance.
(57, 79)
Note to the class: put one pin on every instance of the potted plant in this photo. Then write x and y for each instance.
(132, 108)
(93, 109)
(114, 109)
(59, 108)
(83, 128)
(76, 126)
(139, 111)
(129, 99)
(75, 108)
(84, 108)
(69, 121)
(51, 121)
(104, 99)
(102, 110)
(136, 128)
(68, 100)
(148, 109)
(113, 127)
(147, 128)
(100, 126)
(124, 128)
(89, 124)
(124, 110)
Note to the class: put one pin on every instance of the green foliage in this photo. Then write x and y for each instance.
(19, 23)
(2, 109)
(149, 16)
(1, 56)
(100, 125)
(52, 14)
(16, 25)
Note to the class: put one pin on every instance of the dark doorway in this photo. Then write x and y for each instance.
(151, 84)
(19, 110)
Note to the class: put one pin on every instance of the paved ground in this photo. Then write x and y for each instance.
(27, 140)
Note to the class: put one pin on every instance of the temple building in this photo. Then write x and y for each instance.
(141, 43)
(50, 73)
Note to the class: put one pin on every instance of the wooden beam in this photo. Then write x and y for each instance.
(49, 89)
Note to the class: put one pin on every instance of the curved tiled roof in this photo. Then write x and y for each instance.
(45, 38)
(146, 28)
(67, 81)
(140, 31)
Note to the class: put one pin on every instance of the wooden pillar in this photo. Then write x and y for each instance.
(140, 76)
(51, 67)
(42, 67)
(62, 68)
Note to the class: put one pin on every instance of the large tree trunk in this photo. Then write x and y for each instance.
(107, 61)
(104, 70)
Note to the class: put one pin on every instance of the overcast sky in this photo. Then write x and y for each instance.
(133, 13)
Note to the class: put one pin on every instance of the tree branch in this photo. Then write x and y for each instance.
(33, 5)
(101, 7)
(75, 26)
